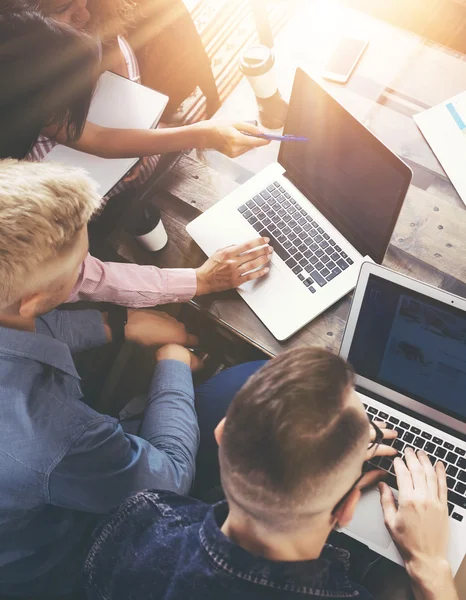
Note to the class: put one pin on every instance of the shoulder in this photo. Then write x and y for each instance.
(160, 512)
(152, 508)
(152, 525)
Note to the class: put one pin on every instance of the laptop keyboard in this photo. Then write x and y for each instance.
(413, 435)
(298, 239)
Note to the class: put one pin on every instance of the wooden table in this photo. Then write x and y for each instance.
(399, 75)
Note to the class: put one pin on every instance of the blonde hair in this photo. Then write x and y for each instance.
(43, 206)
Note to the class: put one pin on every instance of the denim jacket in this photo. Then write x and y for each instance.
(160, 546)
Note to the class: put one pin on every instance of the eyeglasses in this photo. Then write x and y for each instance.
(373, 444)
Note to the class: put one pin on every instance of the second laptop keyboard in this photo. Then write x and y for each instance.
(413, 435)
(298, 239)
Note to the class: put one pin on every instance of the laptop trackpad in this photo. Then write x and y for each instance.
(255, 284)
(368, 521)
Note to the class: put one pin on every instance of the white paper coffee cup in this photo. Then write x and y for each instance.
(154, 240)
(257, 63)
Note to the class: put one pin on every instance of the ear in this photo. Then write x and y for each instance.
(30, 305)
(219, 431)
(344, 514)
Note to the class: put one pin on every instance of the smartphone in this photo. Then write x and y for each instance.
(344, 59)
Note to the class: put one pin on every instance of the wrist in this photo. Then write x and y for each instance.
(202, 285)
(201, 135)
(431, 576)
(174, 352)
(117, 319)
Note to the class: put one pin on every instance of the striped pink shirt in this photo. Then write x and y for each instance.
(134, 286)
(146, 165)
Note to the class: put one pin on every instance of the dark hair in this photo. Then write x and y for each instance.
(287, 427)
(48, 74)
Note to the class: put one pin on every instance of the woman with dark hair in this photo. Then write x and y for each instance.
(48, 74)
(103, 19)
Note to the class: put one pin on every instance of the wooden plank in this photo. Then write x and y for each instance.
(196, 184)
(432, 230)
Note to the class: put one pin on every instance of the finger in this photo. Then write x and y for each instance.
(197, 364)
(403, 478)
(371, 478)
(383, 450)
(389, 434)
(441, 482)
(234, 251)
(249, 257)
(133, 174)
(254, 275)
(254, 264)
(248, 127)
(387, 501)
(431, 476)
(416, 470)
(251, 142)
(380, 424)
(179, 335)
(192, 341)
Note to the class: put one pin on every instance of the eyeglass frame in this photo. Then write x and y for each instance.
(379, 436)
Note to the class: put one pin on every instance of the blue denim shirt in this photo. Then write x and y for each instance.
(62, 464)
(159, 546)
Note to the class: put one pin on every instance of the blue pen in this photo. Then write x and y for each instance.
(277, 138)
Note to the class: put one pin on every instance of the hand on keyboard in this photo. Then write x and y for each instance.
(373, 476)
(230, 267)
(382, 449)
(419, 523)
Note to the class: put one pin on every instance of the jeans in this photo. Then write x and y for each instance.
(212, 401)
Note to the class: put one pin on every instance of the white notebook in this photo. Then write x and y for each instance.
(120, 103)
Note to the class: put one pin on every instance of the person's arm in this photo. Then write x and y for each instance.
(419, 525)
(103, 464)
(135, 286)
(139, 286)
(130, 143)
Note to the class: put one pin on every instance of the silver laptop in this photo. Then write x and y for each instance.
(326, 205)
(407, 343)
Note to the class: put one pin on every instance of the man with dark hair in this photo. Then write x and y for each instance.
(292, 451)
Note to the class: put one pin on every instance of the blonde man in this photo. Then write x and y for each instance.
(61, 463)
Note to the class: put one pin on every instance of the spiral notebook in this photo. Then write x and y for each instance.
(121, 103)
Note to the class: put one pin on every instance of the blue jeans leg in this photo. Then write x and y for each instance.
(212, 401)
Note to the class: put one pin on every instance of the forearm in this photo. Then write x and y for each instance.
(170, 421)
(129, 143)
(432, 582)
(134, 286)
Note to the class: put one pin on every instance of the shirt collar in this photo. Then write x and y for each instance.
(38, 346)
(327, 575)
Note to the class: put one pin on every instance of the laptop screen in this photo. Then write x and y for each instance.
(355, 181)
(412, 344)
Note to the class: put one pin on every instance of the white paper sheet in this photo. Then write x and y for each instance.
(444, 127)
